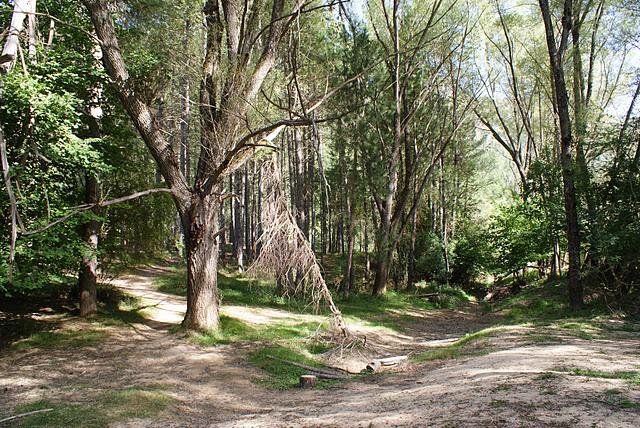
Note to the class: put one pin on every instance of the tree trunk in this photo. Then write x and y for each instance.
(12, 43)
(238, 226)
(382, 273)
(87, 278)
(566, 141)
(411, 267)
(201, 222)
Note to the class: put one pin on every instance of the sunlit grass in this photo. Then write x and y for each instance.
(61, 339)
(106, 409)
(387, 311)
(631, 377)
(280, 374)
(455, 350)
(235, 330)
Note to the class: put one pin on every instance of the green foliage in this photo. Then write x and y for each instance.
(517, 235)
(447, 296)
(46, 156)
(470, 256)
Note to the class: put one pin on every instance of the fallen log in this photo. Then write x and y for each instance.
(329, 376)
(390, 361)
(427, 295)
(376, 365)
(306, 367)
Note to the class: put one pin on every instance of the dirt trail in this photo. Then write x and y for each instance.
(516, 381)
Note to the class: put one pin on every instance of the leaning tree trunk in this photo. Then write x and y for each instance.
(200, 222)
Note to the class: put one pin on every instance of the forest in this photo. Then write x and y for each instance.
(266, 213)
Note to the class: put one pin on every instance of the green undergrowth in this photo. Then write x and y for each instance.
(446, 295)
(281, 375)
(630, 377)
(387, 311)
(544, 303)
(456, 349)
(235, 330)
(50, 321)
(105, 410)
(289, 341)
(617, 398)
(116, 308)
(61, 339)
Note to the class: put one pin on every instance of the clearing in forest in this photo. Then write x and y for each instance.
(129, 367)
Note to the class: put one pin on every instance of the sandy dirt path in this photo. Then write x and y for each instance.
(514, 382)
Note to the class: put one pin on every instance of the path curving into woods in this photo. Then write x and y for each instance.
(518, 377)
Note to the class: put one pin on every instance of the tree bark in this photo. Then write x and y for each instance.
(21, 9)
(350, 182)
(238, 224)
(202, 244)
(566, 142)
(87, 278)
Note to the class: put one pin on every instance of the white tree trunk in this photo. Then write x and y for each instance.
(21, 9)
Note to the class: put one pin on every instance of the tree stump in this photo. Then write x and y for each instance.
(307, 381)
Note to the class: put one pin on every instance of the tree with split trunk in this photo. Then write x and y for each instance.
(242, 41)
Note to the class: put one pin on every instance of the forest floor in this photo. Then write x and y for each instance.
(139, 372)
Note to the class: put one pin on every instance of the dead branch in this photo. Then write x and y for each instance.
(82, 208)
(286, 253)
(4, 163)
(317, 371)
(328, 376)
(10, 418)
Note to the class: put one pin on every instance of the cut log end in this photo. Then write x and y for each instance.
(308, 381)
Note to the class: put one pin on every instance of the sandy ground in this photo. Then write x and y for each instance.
(515, 382)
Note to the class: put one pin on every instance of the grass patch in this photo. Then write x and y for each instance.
(545, 376)
(61, 339)
(447, 296)
(543, 304)
(172, 282)
(539, 339)
(631, 377)
(231, 330)
(455, 350)
(616, 398)
(386, 311)
(283, 375)
(499, 403)
(234, 330)
(447, 353)
(109, 407)
(117, 308)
